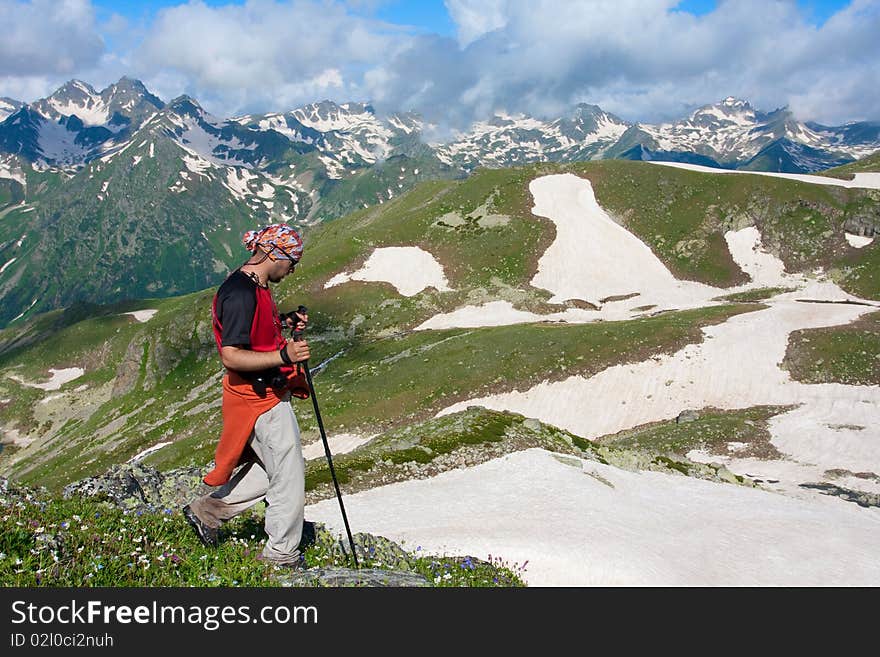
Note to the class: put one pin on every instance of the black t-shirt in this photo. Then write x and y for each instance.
(236, 305)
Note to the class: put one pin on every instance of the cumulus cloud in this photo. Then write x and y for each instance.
(47, 38)
(473, 20)
(645, 60)
(266, 55)
(642, 59)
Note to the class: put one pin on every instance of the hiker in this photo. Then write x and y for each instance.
(260, 431)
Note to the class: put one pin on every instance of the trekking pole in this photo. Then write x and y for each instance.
(297, 336)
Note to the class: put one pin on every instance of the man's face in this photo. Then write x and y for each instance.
(280, 268)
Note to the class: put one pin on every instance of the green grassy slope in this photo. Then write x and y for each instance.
(48, 541)
(159, 381)
(870, 163)
(838, 354)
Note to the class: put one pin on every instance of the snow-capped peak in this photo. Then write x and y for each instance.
(130, 98)
(73, 86)
(327, 115)
(75, 98)
(9, 106)
(518, 138)
(730, 110)
(186, 106)
(732, 101)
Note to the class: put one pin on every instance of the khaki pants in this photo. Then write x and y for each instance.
(277, 474)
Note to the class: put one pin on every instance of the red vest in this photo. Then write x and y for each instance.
(265, 327)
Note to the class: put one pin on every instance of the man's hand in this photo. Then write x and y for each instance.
(298, 351)
(296, 321)
(301, 320)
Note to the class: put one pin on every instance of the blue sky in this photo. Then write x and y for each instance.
(818, 10)
(428, 15)
(456, 61)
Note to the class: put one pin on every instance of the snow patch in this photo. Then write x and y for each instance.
(142, 315)
(147, 452)
(22, 313)
(603, 526)
(3, 268)
(13, 173)
(502, 313)
(584, 260)
(583, 263)
(736, 366)
(204, 146)
(237, 182)
(334, 169)
(858, 241)
(96, 113)
(59, 378)
(56, 142)
(197, 165)
(408, 268)
(860, 180)
(747, 251)
(339, 444)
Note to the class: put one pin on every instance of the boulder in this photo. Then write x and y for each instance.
(365, 577)
(139, 487)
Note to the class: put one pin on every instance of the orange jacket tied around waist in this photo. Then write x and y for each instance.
(241, 408)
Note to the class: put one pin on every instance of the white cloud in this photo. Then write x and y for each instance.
(264, 55)
(474, 19)
(47, 37)
(644, 60)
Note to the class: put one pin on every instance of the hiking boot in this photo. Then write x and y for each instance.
(209, 536)
(308, 536)
(299, 563)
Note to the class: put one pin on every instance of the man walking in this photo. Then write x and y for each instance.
(260, 431)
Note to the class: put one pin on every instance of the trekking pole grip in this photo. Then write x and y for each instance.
(298, 333)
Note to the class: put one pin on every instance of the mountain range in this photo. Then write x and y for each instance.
(77, 124)
(104, 195)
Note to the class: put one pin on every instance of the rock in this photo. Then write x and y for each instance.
(139, 487)
(865, 223)
(862, 498)
(366, 577)
(726, 475)
(533, 424)
(373, 549)
(129, 369)
(687, 416)
(626, 459)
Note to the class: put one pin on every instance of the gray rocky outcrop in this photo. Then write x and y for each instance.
(139, 487)
(865, 223)
(364, 577)
(862, 498)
